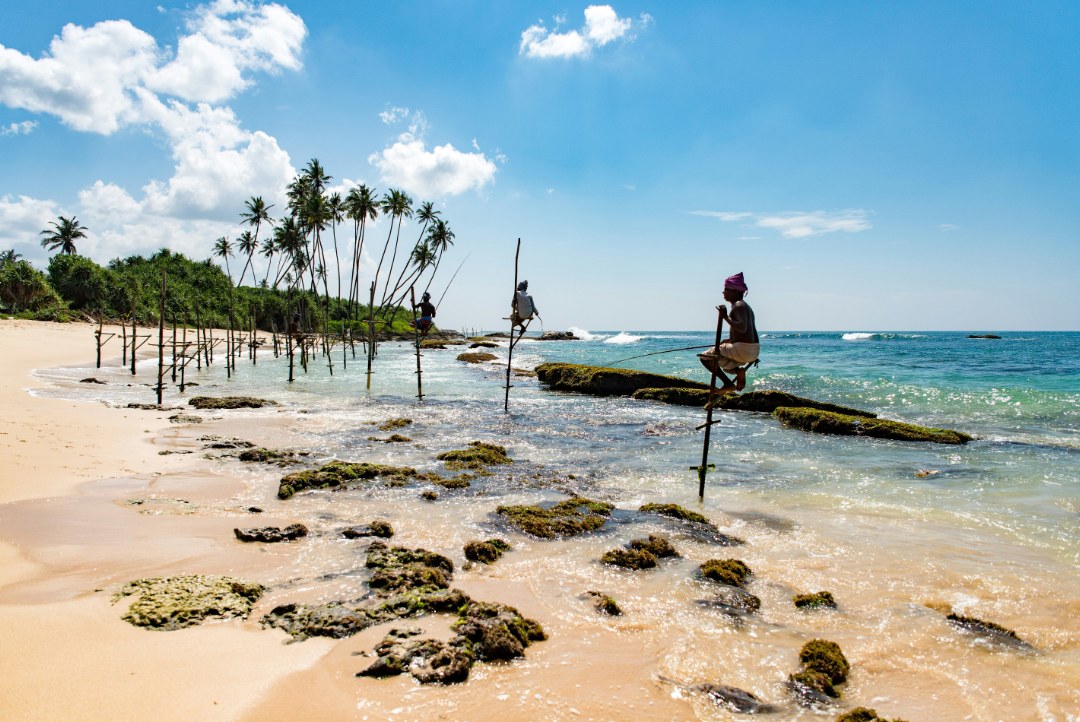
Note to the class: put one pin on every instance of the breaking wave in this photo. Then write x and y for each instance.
(623, 337)
(583, 334)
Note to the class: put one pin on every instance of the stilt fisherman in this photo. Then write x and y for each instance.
(427, 314)
(741, 347)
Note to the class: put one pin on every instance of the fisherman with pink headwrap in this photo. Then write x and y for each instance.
(741, 347)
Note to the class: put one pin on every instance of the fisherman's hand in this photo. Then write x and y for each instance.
(723, 312)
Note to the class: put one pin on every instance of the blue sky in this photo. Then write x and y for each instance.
(867, 165)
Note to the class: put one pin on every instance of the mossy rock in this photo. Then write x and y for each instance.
(272, 534)
(734, 601)
(821, 655)
(569, 517)
(735, 699)
(811, 688)
(864, 714)
(461, 481)
(168, 603)
(989, 631)
(476, 357)
(674, 395)
(440, 343)
(630, 558)
(393, 424)
(827, 422)
(604, 381)
(339, 474)
(483, 344)
(377, 528)
(392, 439)
(769, 401)
(726, 571)
(674, 511)
(817, 600)
(478, 455)
(230, 402)
(487, 551)
(604, 604)
(658, 546)
(429, 661)
(268, 456)
(496, 631)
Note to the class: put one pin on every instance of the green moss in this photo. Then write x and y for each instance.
(440, 343)
(230, 402)
(827, 422)
(658, 546)
(603, 381)
(567, 518)
(477, 456)
(486, 551)
(814, 601)
(770, 401)
(167, 603)
(339, 474)
(814, 682)
(821, 655)
(674, 511)
(268, 455)
(606, 605)
(392, 439)
(726, 571)
(461, 481)
(476, 357)
(674, 395)
(391, 424)
(630, 558)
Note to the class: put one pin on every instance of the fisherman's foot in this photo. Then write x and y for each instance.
(740, 380)
(726, 389)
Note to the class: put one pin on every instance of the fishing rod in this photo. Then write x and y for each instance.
(451, 281)
(657, 353)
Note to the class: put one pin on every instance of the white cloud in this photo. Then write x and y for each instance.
(22, 219)
(602, 26)
(393, 115)
(796, 224)
(26, 127)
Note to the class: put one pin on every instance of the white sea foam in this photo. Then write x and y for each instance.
(623, 337)
(583, 334)
(857, 336)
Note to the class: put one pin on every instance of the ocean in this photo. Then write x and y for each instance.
(898, 532)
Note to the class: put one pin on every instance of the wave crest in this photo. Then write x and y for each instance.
(623, 337)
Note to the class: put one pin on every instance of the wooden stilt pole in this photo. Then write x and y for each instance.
(161, 341)
(416, 332)
(704, 468)
(174, 347)
(183, 352)
(97, 338)
(134, 339)
(510, 352)
(371, 335)
(200, 338)
(123, 331)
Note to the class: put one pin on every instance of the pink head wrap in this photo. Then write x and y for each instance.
(736, 282)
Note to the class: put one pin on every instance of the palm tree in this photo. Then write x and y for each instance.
(9, 256)
(397, 205)
(63, 235)
(223, 249)
(256, 214)
(269, 247)
(360, 206)
(247, 245)
(440, 238)
(426, 213)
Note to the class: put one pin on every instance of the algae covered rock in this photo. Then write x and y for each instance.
(733, 601)
(429, 661)
(168, 603)
(401, 568)
(658, 546)
(478, 455)
(396, 423)
(821, 655)
(817, 600)
(629, 558)
(569, 517)
(864, 714)
(604, 604)
(726, 571)
(988, 632)
(674, 395)
(497, 631)
(693, 523)
(271, 534)
(735, 699)
(268, 456)
(769, 401)
(339, 474)
(476, 357)
(377, 528)
(604, 381)
(674, 511)
(486, 552)
(827, 422)
(812, 689)
(230, 402)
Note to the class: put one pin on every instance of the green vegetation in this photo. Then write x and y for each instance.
(477, 357)
(569, 517)
(827, 422)
(478, 455)
(727, 571)
(821, 655)
(229, 402)
(605, 604)
(630, 558)
(339, 474)
(674, 511)
(814, 601)
(603, 381)
(168, 603)
(486, 551)
(658, 546)
(864, 714)
(396, 423)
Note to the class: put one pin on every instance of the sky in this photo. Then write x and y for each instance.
(868, 166)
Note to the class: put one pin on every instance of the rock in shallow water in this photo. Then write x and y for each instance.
(271, 534)
(168, 603)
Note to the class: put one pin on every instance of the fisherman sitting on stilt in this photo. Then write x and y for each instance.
(427, 314)
(522, 308)
(740, 349)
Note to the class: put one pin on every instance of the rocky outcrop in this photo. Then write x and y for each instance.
(476, 357)
(486, 552)
(735, 699)
(823, 667)
(377, 528)
(732, 572)
(769, 401)
(168, 603)
(478, 455)
(989, 632)
(570, 517)
(341, 474)
(817, 600)
(271, 534)
(604, 381)
(694, 524)
(230, 402)
(558, 336)
(827, 422)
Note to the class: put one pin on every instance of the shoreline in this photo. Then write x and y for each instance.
(73, 657)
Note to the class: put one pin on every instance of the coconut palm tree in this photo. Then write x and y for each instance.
(426, 213)
(9, 256)
(361, 206)
(223, 249)
(440, 238)
(398, 206)
(63, 235)
(257, 213)
(247, 245)
(335, 214)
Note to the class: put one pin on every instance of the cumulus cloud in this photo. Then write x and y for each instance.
(602, 26)
(111, 75)
(796, 224)
(442, 171)
(26, 127)
(22, 219)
